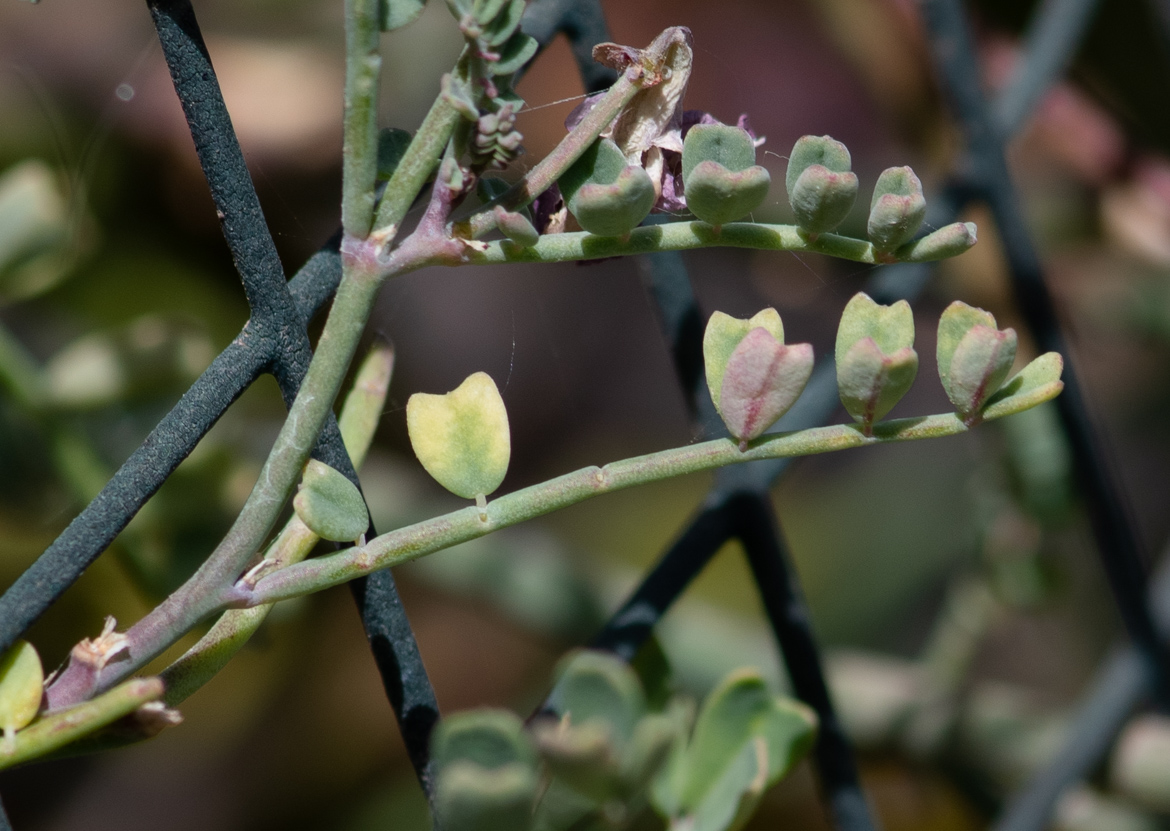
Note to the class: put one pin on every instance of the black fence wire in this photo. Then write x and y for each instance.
(738, 506)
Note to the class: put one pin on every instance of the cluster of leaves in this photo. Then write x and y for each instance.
(462, 437)
(603, 752)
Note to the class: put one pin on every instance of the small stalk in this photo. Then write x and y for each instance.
(420, 160)
(363, 64)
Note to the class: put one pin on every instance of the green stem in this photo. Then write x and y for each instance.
(207, 589)
(673, 236)
(423, 538)
(358, 420)
(414, 541)
(677, 236)
(59, 729)
(363, 64)
(419, 161)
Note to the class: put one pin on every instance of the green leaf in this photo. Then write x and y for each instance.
(462, 438)
(397, 13)
(598, 686)
(891, 327)
(392, 144)
(489, 738)
(500, 20)
(979, 366)
(745, 740)
(948, 241)
(733, 797)
(809, 150)
(1036, 383)
(956, 320)
(762, 380)
(608, 196)
(870, 382)
(331, 505)
(516, 227)
(897, 209)
(518, 50)
(822, 198)
(585, 756)
(728, 146)
(875, 362)
(723, 335)
(21, 687)
(717, 195)
(471, 798)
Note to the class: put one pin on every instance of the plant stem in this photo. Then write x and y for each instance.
(676, 236)
(363, 64)
(414, 541)
(207, 590)
(420, 159)
(59, 729)
(358, 420)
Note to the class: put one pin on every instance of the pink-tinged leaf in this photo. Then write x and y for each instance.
(762, 381)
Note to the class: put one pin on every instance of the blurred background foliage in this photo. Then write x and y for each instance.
(117, 290)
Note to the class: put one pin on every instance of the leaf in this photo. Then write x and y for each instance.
(979, 366)
(392, 144)
(717, 195)
(471, 798)
(956, 320)
(876, 365)
(462, 438)
(728, 146)
(518, 50)
(21, 687)
(762, 381)
(500, 20)
(822, 198)
(597, 686)
(1036, 383)
(871, 383)
(608, 197)
(948, 241)
(397, 13)
(331, 505)
(489, 738)
(809, 150)
(745, 740)
(516, 227)
(723, 335)
(890, 327)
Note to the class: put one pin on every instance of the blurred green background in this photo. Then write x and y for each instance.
(126, 292)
